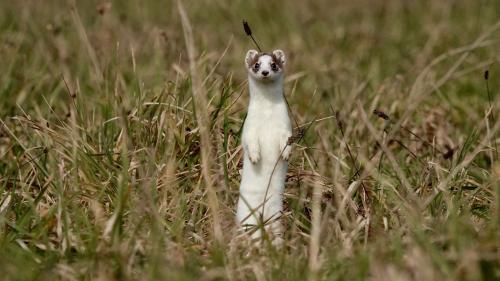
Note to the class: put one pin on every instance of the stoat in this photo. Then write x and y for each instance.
(266, 131)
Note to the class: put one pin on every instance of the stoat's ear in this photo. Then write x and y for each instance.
(280, 56)
(250, 58)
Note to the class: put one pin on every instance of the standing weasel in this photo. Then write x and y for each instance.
(265, 137)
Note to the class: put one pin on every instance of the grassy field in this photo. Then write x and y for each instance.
(120, 139)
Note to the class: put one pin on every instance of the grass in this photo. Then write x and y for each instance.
(120, 139)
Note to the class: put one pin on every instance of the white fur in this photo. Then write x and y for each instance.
(265, 136)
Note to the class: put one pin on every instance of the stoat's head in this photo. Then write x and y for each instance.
(265, 67)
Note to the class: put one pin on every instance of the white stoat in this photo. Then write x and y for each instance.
(265, 137)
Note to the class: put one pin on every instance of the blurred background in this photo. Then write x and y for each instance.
(329, 43)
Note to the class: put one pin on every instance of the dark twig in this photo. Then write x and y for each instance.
(366, 199)
(446, 154)
(248, 32)
(290, 111)
(400, 143)
(486, 78)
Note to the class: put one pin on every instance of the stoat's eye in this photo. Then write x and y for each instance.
(274, 67)
(256, 66)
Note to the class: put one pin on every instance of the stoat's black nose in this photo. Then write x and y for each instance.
(265, 73)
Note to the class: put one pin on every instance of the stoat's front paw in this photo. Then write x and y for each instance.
(286, 152)
(285, 147)
(254, 156)
(254, 153)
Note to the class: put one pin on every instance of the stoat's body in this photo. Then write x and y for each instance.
(265, 137)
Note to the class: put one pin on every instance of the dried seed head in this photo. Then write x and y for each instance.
(163, 35)
(486, 74)
(339, 122)
(381, 114)
(449, 152)
(247, 29)
(102, 8)
(248, 32)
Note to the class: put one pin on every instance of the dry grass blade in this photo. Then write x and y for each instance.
(395, 165)
(201, 112)
(314, 242)
(441, 187)
(84, 38)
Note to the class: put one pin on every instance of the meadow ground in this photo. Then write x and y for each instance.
(120, 139)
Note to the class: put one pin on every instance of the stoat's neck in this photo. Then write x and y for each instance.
(261, 91)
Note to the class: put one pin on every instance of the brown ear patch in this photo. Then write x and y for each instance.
(255, 59)
(276, 60)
